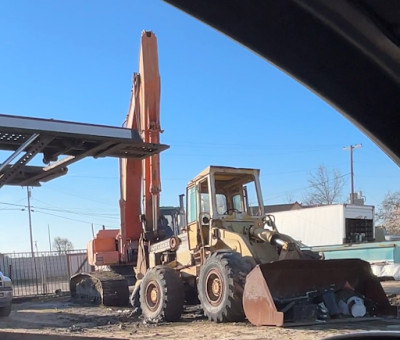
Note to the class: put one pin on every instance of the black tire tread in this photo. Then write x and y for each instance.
(172, 294)
(235, 269)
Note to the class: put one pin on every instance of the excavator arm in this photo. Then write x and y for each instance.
(140, 179)
(140, 188)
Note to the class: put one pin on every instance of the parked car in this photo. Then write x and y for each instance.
(5, 295)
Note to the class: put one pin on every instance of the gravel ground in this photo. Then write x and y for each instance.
(63, 316)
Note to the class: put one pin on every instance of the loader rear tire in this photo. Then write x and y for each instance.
(220, 286)
(162, 294)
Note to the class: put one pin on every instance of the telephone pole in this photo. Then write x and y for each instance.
(351, 148)
(28, 189)
(48, 231)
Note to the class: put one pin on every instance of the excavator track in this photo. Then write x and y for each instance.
(106, 288)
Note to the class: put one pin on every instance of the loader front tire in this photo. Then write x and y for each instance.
(220, 286)
(161, 294)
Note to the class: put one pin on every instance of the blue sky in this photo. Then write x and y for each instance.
(221, 104)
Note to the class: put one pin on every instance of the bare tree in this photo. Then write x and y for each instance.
(289, 197)
(388, 214)
(62, 245)
(325, 187)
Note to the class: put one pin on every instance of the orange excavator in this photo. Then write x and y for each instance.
(114, 253)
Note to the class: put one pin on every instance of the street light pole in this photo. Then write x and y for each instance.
(351, 148)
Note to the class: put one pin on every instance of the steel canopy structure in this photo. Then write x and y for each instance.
(346, 51)
(28, 137)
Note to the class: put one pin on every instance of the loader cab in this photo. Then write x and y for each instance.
(218, 194)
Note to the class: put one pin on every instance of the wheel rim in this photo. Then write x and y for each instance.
(153, 294)
(214, 287)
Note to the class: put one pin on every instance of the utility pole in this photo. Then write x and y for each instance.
(351, 148)
(28, 189)
(48, 231)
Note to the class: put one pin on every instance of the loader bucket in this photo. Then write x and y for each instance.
(302, 291)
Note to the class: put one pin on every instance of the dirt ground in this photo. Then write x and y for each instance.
(62, 316)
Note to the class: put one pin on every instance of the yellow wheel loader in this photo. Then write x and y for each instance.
(231, 256)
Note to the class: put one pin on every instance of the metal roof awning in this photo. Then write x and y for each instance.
(27, 137)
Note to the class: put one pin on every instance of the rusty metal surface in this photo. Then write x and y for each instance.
(258, 303)
(281, 285)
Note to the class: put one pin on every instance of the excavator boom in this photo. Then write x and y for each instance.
(121, 250)
(138, 175)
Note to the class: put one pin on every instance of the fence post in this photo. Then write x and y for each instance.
(68, 265)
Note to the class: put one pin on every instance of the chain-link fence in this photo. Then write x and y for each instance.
(42, 273)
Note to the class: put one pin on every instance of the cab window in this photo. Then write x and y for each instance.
(191, 205)
(237, 202)
(221, 204)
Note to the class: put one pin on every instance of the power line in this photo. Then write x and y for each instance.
(112, 216)
(58, 191)
(276, 195)
(13, 204)
(80, 213)
(71, 219)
